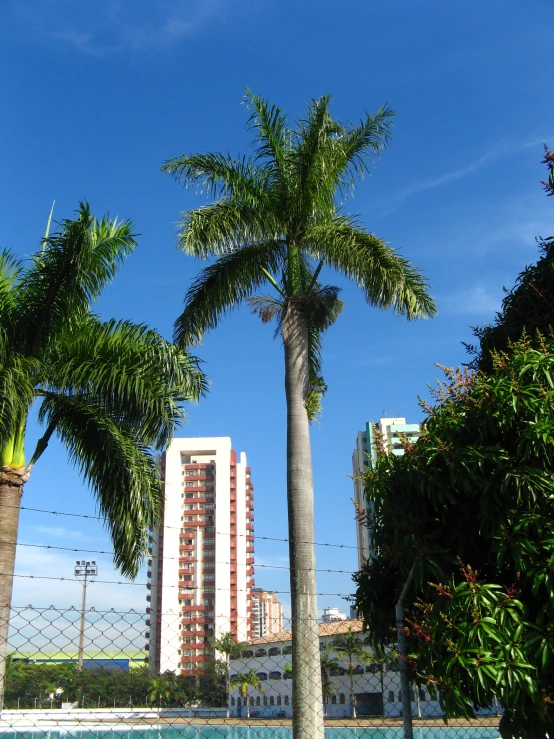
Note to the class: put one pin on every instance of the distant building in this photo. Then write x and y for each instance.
(332, 614)
(200, 576)
(391, 431)
(267, 613)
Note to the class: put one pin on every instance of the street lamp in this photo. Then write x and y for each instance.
(84, 570)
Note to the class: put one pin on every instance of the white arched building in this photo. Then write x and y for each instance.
(376, 686)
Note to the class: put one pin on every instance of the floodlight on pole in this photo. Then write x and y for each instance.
(84, 570)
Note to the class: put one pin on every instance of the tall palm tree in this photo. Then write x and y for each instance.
(276, 218)
(243, 681)
(112, 391)
(351, 650)
(229, 648)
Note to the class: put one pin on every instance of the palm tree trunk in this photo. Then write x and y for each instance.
(11, 488)
(307, 721)
(352, 698)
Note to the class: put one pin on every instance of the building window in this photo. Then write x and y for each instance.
(261, 675)
(271, 700)
(341, 698)
(265, 700)
(251, 701)
(209, 541)
(286, 700)
(187, 577)
(391, 696)
(333, 699)
(258, 701)
(278, 700)
(275, 675)
(209, 529)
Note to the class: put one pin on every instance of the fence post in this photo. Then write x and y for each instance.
(403, 659)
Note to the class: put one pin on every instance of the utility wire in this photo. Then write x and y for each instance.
(152, 556)
(220, 533)
(143, 584)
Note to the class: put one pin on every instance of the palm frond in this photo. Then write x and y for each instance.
(225, 226)
(130, 370)
(220, 288)
(387, 279)
(18, 375)
(266, 307)
(10, 271)
(270, 123)
(218, 175)
(357, 144)
(70, 272)
(120, 470)
(315, 183)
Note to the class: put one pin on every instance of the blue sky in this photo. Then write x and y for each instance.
(96, 97)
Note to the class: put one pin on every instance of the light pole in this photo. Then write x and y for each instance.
(84, 570)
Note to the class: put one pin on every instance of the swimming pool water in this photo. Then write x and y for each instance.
(254, 732)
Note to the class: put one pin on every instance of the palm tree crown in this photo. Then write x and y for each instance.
(112, 391)
(278, 211)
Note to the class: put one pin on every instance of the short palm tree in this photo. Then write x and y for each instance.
(161, 689)
(229, 648)
(328, 665)
(350, 649)
(276, 220)
(112, 391)
(243, 681)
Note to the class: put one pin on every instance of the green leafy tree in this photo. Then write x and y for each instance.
(350, 650)
(244, 681)
(276, 221)
(111, 391)
(471, 506)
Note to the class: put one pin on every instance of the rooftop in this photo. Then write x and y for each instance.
(329, 629)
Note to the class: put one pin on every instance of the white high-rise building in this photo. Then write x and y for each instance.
(202, 566)
(391, 432)
(267, 613)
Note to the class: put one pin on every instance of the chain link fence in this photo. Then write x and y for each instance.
(112, 674)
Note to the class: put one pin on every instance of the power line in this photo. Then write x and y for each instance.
(143, 584)
(155, 556)
(178, 528)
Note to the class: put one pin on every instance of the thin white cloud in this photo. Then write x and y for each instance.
(107, 26)
(61, 534)
(502, 149)
(45, 577)
(479, 300)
